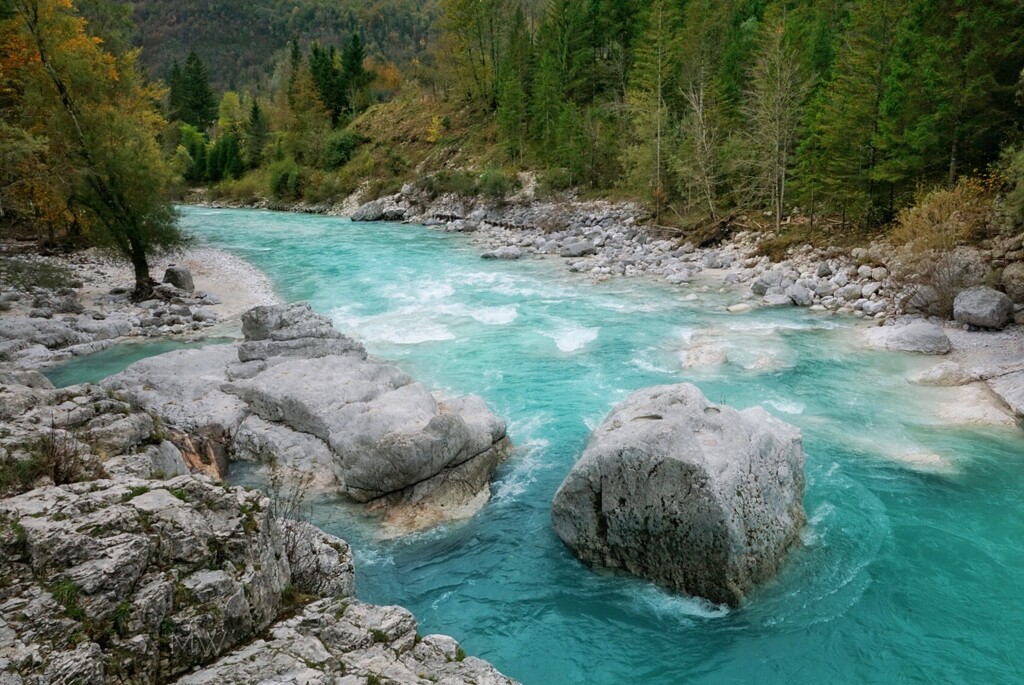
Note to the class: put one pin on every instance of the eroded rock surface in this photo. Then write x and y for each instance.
(918, 336)
(300, 392)
(186, 581)
(698, 497)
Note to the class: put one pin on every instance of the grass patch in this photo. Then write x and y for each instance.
(55, 455)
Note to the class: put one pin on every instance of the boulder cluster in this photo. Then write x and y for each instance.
(605, 239)
(184, 581)
(42, 325)
(300, 391)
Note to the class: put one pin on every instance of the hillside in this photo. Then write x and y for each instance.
(238, 39)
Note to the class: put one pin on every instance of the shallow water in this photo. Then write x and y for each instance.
(905, 575)
(94, 368)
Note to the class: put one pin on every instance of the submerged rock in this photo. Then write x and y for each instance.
(983, 308)
(918, 336)
(698, 497)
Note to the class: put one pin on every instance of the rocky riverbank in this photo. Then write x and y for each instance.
(56, 308)
(125, 559)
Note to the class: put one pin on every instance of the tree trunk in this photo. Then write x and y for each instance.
(143, 282)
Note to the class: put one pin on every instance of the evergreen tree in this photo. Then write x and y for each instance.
(546, 105)
(512, 120)
(331, 82)
(257, 133)
(513, 106)
(192, 99)
(950, 90)
(849, 116)
(356, 78)
(572, 143)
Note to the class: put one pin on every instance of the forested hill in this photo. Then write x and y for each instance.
(238, 39)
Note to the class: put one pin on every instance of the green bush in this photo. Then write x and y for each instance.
(339, 149)
(443, 182)
(497, 184)
(286, 180)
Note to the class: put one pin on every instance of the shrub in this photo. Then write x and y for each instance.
(339, 149)
(249, 188)
(286, 180)
(26, 274)
(946, 217)
(55, 455)
(328, 187)
(1012, 168)
(497, 184)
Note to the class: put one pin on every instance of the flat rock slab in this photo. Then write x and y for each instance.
(1010, 388)
(918, 336)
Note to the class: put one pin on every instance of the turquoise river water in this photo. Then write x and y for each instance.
(907, 573)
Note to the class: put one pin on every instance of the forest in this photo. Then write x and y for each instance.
(843, 110)
(836, 112)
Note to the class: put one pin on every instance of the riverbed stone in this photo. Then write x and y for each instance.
(694, 496)
(1013, 281)
(576, 249)
(920, 336)
(180, 277)
(983, 308)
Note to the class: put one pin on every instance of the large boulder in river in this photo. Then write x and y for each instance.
(300, 393)
(983, 308)
(918, 336)
(694, 496)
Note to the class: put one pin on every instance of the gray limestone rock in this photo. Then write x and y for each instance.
(1013, 281)
(698, 497)
(183, 388)
(1010, 389)
(182, 572)
(180, 278)
(581, 248)
(507, 252)
(371, 211)
(342, 642)
(918, 336)
(801, 296)
(984, 308)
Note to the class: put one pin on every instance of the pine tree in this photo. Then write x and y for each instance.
(257, 133)
(848, 121)
(546, 105)
(197, 104)
(356, 77)
(331, 81)
(950, 90)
